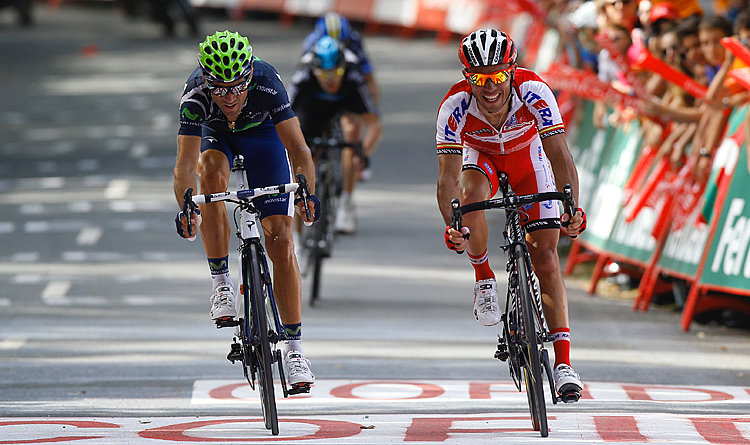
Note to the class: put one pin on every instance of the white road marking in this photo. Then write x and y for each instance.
(31, 208)
(37, 226)
(55, 293)
(53, 182)
(80, 207)
(12, 343)
(24, 257)
(88, 236)
(27, 278)
(122, 206)
(4, 302)
(117, 189)
(7, 227)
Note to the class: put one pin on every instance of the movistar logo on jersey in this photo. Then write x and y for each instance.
(189, 115)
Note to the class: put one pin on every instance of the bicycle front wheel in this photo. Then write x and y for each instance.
(532, 368)
(323, 230)
(262, 350)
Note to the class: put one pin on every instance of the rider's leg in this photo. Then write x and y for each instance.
(351, 129)
(542, 246)
(345, 219)
(213, 174)
(475, 187)
(286, 276)
(288, 291)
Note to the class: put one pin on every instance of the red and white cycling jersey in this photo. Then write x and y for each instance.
(534, 114)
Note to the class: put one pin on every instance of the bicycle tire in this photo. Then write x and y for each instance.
(323, 238)
(262, 350)
(532, 368)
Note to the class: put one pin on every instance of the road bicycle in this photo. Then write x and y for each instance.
(258, 329)
(525, 330)
(318, 240)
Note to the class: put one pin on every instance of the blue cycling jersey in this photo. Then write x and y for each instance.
(353, 44)
(267, 103)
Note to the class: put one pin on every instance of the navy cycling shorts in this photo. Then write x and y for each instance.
(266, 163)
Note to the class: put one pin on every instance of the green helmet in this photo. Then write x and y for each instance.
(225, 57)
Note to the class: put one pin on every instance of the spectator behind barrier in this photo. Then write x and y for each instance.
(618, 12)
(714, 119)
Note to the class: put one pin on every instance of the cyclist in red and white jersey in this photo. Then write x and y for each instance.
(502, 118)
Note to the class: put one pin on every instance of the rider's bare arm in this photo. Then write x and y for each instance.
(372, 133)
(291, 136)
(188, 151)
(449, 166)
(556, 148)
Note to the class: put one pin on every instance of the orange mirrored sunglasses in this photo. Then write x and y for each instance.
(497, 77)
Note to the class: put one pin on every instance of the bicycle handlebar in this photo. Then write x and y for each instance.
(244, 195)
(514, 201)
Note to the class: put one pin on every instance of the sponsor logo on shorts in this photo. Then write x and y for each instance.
(488, 168)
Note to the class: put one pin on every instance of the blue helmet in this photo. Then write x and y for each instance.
(329, 53)
(334, 25)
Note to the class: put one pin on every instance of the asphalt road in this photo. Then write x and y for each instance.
(104, 309)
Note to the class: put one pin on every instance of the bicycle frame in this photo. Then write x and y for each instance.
(249, 233)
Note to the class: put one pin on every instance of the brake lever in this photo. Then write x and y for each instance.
(187, 208)
(569, 203)
(303, 191)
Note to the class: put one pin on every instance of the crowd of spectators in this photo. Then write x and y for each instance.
(600, 34)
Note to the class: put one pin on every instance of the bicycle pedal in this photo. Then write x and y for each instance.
(569, 394)
(235, 354)
(226, 322)
(502, 352)
(300, 388)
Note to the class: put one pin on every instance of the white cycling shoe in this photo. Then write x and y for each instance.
(486, 306)
(346, 221)
(567, 383)
(298, 369)
(222, 302)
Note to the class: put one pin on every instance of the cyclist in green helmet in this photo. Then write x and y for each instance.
(235, 103)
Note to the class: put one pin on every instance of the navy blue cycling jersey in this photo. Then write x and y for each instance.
(353, 44)
(267, 103)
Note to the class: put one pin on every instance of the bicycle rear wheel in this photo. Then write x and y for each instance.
(532, 368)
(262, 350)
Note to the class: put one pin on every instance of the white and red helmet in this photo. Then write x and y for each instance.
(486, 47)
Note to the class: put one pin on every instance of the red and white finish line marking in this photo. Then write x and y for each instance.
(305, 419)
(565, 428)
(384, 392)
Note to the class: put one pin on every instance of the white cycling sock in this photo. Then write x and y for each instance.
(291, 345)
(221, 278)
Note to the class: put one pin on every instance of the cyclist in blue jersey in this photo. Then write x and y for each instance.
(335, 25)
(329, 85)
(235, 103)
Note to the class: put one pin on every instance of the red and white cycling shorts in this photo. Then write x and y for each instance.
(528, 171)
